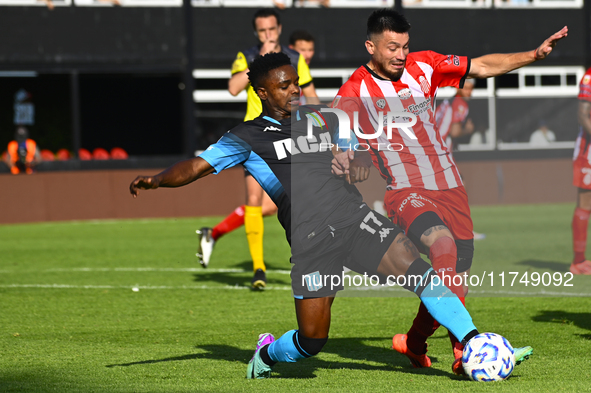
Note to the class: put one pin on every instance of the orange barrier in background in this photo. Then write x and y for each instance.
(83, 195)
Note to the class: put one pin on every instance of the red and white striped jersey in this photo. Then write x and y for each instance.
(582, 151)
(447, 114)
(424, 162)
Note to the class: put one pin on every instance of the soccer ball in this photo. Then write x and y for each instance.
(488, 357)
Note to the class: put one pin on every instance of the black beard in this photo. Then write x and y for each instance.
(393, 76)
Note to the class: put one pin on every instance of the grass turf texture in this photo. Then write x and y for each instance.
(70, 322)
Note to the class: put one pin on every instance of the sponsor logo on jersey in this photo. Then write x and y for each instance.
(586, 79)
(453, 59)
(381, 103)
(384, 232)
(416, 203)
(405, 94)
(303, 144)
(316, 118)
(421, 107)
(415, 200)
(271, 128)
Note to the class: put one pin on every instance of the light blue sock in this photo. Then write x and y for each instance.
(284, 349)
(447, 309)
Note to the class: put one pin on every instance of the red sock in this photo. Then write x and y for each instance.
(580, 222)
(443, 255)
(231, 222)
(423, 327)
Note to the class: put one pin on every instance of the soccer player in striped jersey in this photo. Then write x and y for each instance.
(452, 121)
(582, 179)
(425, 195)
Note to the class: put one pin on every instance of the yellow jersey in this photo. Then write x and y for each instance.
(243, 59)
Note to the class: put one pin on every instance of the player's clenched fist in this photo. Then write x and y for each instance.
(144, 183)
(340, 162)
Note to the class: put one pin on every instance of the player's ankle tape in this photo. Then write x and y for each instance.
(469, 336)
(293, 346)
(265, 356)
(311, 346)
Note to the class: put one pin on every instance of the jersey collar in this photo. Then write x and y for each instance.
(271, 120)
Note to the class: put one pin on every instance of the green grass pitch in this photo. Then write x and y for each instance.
(70, 321)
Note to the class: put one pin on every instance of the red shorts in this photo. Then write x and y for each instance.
(405, 205)
(582, 174)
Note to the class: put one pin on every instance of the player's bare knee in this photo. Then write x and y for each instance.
(584, 199)
(253, 200)
(254, 192)
(433, 234)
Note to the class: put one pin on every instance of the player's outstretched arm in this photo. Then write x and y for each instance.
(178, 175)
(500, 63)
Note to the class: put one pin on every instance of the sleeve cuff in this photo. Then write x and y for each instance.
(463, 80)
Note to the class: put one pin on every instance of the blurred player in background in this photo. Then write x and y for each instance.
(425, 195)
(303, 42)
(451, 118)
(267, 29)
(543, 136)
(582, 179)
(22, 153)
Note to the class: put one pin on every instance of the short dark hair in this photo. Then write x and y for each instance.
(260, 67)
(386, 19)
(265, 13)
(21, 134)
(300, 35)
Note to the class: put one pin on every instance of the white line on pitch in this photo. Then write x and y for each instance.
(152, 269)
(140, 287)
